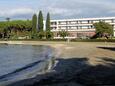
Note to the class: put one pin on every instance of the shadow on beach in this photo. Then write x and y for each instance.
(99, 74)
(75, 72)
(108, 48)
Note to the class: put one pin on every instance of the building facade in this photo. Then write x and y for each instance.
(79, 28)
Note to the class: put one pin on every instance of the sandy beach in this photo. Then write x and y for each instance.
(90, 50)
(79, 64)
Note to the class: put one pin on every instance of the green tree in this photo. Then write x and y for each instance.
(34, 23)
(48, 22)
(40, 21)
(15, 28)
(103, 29)
(63, 33)
(34, 26)
(8, 19)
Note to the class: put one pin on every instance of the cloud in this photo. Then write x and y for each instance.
(81, 8)
(57, 8)
(16, 11)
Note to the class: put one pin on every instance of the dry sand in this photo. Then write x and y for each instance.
(93, 51)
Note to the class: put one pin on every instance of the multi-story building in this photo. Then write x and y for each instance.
(78, 28)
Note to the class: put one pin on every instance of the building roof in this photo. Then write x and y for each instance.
(77, 19)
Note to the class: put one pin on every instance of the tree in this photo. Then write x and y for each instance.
(40, 21)
(48, 22)
(15, 28)
(63, 33)
(34, 23)
(8, 19)
(104, 29)
(1, 32)
(34, 26)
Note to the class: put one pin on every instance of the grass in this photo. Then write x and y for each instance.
(62, 40)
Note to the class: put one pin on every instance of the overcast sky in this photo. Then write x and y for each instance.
(59, 9)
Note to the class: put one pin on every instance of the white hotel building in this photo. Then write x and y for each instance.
(78, 28)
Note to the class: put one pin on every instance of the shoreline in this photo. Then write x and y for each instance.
(75, 59)
(47, 64)
(66, 50)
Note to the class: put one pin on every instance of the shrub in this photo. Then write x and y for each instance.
(41, 35)
(49, 35)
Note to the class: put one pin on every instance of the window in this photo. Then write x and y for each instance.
(84, 22)
(84, 27)
(108, 21)
(62, 23)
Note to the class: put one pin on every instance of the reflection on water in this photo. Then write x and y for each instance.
(22, 61)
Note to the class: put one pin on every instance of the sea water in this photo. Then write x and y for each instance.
(18, 62)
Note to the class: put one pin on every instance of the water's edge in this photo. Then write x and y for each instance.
(47, 64)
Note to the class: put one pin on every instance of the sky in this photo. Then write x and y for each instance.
(58, 9)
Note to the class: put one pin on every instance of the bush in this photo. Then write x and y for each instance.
(34, 36)
(41, 35)
(63, 33)
(49, 35)
(93, 40)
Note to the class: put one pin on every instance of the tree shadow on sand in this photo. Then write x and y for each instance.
(99, 74)
(108, 48)
(75, 72)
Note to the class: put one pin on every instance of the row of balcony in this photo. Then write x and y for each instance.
(80, 22)
(77, 25)
(80, 29)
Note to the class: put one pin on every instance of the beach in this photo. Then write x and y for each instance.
(67, 50)
(76, 64)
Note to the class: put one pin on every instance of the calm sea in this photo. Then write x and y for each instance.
(18, 62)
